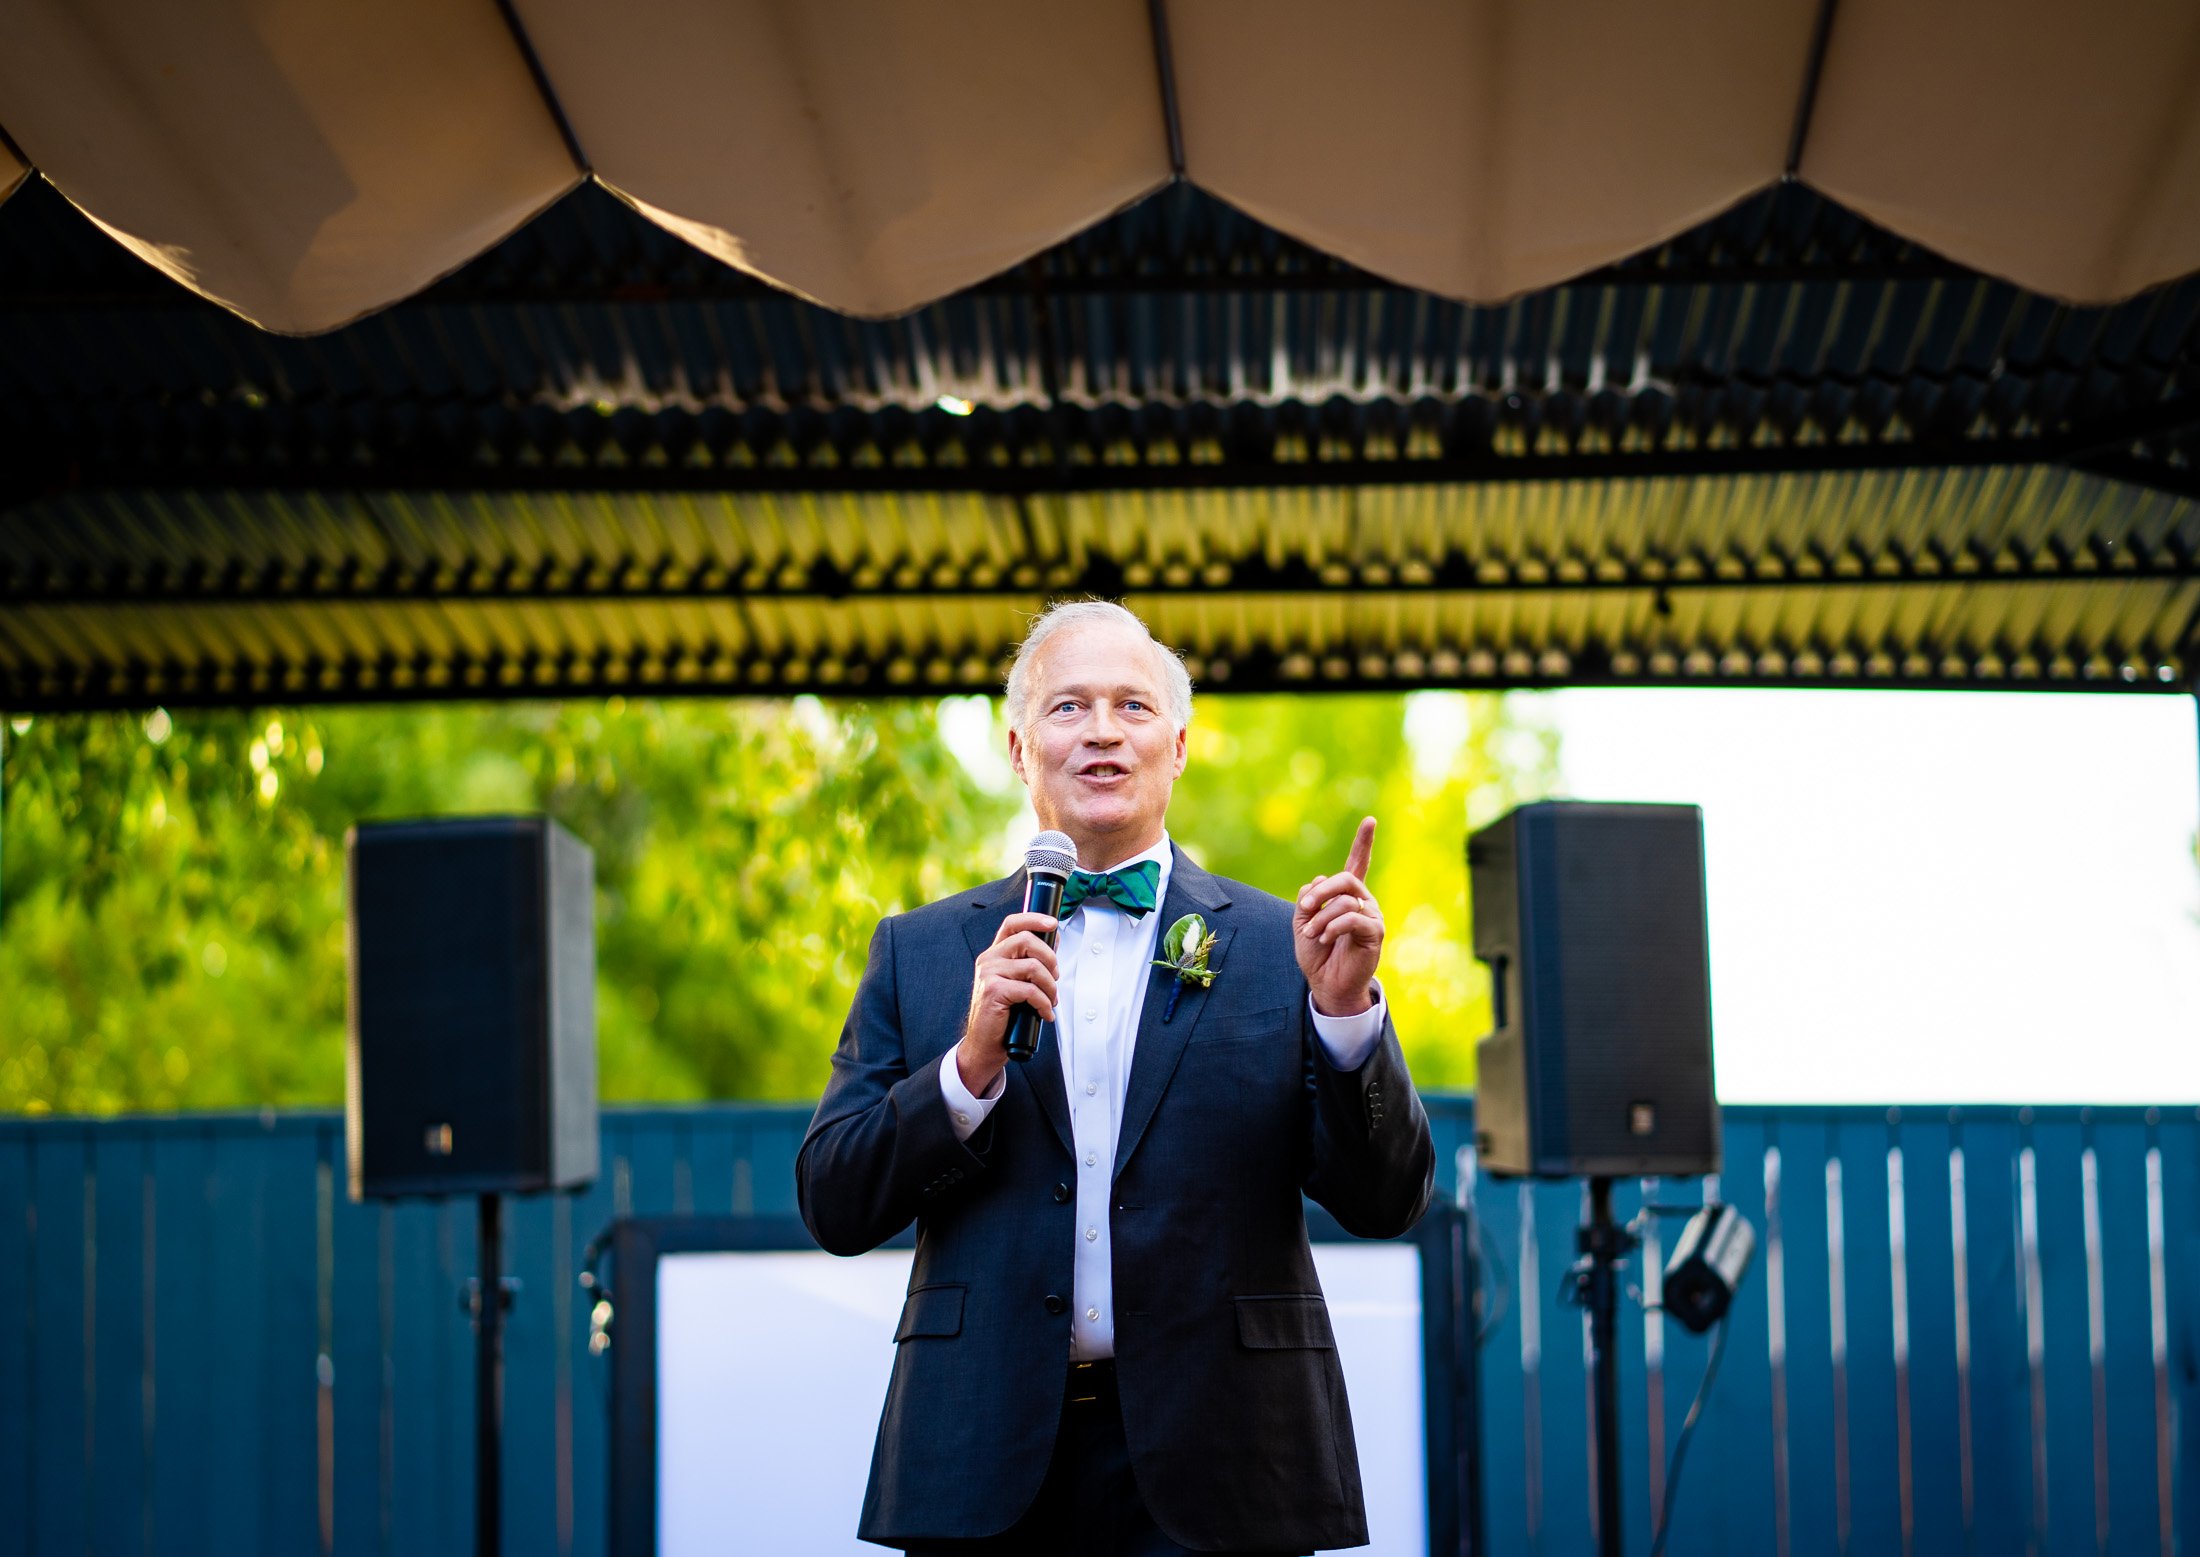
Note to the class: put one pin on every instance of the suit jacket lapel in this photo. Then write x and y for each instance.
(1042, 1073)
(1161, 1044)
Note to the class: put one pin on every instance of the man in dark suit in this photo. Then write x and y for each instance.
(1114, 1341)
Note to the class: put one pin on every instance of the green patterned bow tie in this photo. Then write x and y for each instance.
(1132, 889)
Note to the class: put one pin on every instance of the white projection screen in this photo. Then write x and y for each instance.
(769, 1366)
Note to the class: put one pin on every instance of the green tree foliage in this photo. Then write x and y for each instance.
(171, 887)
(1275, 786)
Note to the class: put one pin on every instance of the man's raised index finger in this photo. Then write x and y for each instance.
(1363, 848)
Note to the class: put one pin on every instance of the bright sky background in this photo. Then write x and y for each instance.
(1915, 896)
(1928, 897)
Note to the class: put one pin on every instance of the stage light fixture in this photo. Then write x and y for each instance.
(1708, 1263)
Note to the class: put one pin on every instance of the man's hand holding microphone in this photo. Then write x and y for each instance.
(1017, 970)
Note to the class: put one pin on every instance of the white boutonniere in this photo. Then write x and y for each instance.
(1185, 950)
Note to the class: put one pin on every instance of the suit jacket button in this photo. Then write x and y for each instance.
(1061, 1194)
(1054, 1303)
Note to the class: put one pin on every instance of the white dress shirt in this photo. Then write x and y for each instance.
(1105, 956)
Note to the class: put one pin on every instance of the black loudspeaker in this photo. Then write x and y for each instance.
(471, 1065)
(1591, 919)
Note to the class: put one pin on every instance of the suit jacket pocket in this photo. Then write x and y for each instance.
(1268, 1022)
(931, 1311)
(1292, 1320)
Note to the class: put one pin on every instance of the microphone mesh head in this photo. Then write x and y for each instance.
(1050, 854)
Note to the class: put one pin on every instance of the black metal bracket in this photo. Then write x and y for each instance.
(526, 47)
(1157, 17)
(469, 1298)
(1807, 105)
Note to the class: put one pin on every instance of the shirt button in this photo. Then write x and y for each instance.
(1092, 1013)
(1096, 948)
(1091, 1087)
(1091, 1233)
(1093, 1314)
(1091, 1158)
(962, 1118)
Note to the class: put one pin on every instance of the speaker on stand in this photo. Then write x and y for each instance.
(470, 1062)
(1591, 919)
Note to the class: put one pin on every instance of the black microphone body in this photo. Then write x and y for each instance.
(1042, 895)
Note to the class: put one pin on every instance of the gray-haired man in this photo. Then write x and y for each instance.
(1114, 1341)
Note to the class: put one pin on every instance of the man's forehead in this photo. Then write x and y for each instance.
(1100, 655)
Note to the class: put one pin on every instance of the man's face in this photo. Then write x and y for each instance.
(1099, 751)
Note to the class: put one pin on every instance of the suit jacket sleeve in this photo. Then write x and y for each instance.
(881, 1148)
(1373, 1163)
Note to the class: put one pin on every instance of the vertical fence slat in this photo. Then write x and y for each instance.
(2120, 1147)
(361, 1506)
(1936, 1433)
(59, 1482)
(118, 1312)
(2179, 1138)
(530, 1403)
(1502, 1429)
(713, 1145)
(2000, 1376)
(1745, 1397)
(422, 1302)
(2058, 1146)
(1449, 1129)
(1813, 1501)
(775, 1139)
(1874, 1431)
(184, 1475)
(289, 1346)
(1563, 1391)
(565, 1314)
(18, 1346)
(652, 1151)
(458, 1256)
(592, 1214)
(237, 1251)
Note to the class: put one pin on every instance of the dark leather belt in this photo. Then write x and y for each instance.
(1092, 1384)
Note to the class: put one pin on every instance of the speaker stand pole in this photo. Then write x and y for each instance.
(489, 1300)
(1604, 1245)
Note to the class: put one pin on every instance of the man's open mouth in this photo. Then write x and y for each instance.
(1104, 770)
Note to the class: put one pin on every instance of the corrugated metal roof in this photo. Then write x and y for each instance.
(1997, 575)
(1785, 446)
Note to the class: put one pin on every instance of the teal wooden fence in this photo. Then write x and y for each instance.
(1967, 1330)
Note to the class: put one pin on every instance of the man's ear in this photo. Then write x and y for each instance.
(1016, 754)
(1182, 749)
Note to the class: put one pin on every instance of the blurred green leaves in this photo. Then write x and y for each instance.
(171, 885)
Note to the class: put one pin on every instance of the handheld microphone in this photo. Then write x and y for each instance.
(1048, 860)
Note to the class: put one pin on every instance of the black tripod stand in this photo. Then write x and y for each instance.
(1594, 1284)
(487, 1297)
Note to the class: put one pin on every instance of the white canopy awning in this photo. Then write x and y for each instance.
(304, 163)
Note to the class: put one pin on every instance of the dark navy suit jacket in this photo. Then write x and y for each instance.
(1233, 1402)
